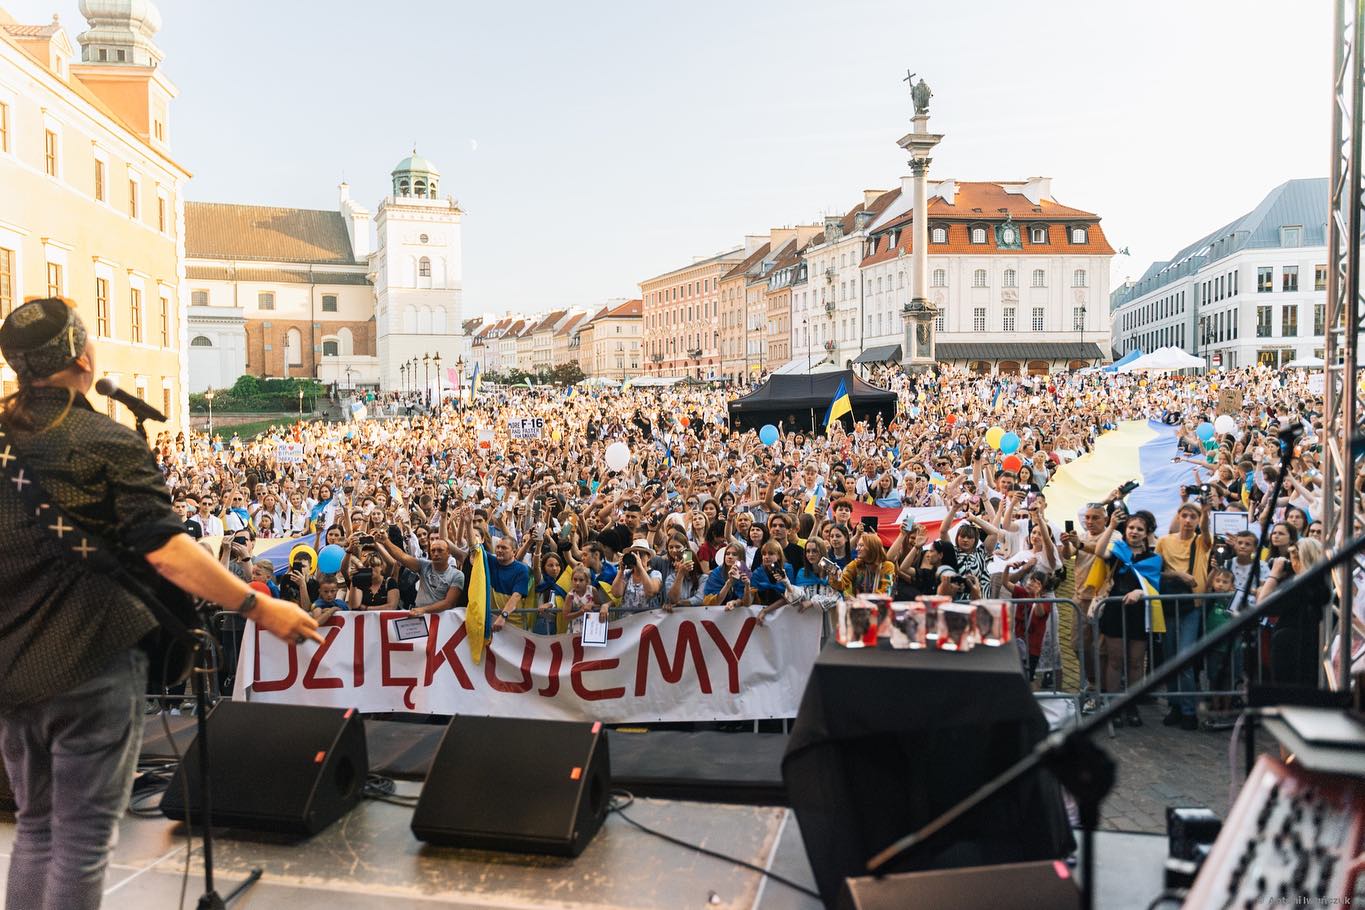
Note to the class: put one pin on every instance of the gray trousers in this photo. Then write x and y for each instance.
(70, 760)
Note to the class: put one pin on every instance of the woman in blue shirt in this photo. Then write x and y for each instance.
(727, 584)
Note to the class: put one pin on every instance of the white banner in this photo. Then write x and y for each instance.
(696, 664)
(525, 427)
(289, 452)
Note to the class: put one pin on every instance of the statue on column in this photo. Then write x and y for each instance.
(919, 94)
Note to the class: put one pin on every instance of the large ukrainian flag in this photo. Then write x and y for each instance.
(478, 615)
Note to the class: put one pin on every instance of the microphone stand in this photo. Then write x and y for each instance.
(201, 648)
(1083, 768)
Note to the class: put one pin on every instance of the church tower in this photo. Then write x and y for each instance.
(419, 278)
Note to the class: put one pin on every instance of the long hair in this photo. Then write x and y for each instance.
(16, 409)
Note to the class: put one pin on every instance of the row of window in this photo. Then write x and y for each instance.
(99, 178)
(265, 300)
(1289, 278)
(979, 234)
(1166, 336)
(939, 278)
(111, 406)
(1170, 305)
(105, 305)
(682, 291)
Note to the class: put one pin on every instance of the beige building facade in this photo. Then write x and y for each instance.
(617, 335)
(681, 311)
(91, 200)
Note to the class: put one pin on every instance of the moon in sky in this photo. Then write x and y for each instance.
(473, 145)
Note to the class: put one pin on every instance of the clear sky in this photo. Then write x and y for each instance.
(596, 144)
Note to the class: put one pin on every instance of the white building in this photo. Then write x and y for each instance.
(1253, 291)
(283, 292)
(1020, 280)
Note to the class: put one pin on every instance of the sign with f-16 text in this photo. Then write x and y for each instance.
(694, 664)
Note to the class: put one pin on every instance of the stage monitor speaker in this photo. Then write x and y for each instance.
(525, 786)
(1046, 885)
(289, 769)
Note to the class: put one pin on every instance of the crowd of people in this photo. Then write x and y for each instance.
(702, 515)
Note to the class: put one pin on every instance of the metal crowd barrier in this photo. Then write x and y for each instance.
(1242, 659)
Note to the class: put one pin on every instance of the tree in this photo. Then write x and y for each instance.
(565, 374)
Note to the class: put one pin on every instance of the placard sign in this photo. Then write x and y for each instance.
(526, 427)
(289, 453)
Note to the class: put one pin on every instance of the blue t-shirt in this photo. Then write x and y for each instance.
(328, 604)
(513, 578)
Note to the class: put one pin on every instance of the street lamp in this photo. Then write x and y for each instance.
(403, 376)
(412, 371)
(436, 361)
(300, 404)
(349, 382)
(426, 377)
(208, 396)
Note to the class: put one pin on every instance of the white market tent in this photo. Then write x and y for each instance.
(1170, 358)
(1306, 363)
(602, 381)
(646, 382)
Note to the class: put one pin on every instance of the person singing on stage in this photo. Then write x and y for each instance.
(72, 673)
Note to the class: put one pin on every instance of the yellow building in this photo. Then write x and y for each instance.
(614, 340)
(90, 199)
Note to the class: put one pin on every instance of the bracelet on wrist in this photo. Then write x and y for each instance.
(248, 604)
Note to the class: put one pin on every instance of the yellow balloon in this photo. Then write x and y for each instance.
(993, 437)
(555, 436)
(1213, 386)
(1143, 383)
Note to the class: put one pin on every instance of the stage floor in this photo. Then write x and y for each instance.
(370, 861)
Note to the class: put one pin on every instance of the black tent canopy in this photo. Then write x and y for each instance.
(800, 403)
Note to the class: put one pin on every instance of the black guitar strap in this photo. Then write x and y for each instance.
(62, 539)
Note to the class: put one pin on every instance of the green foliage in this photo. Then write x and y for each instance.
(250, 393)
(564, 374)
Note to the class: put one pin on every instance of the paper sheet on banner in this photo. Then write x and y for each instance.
(695, 664)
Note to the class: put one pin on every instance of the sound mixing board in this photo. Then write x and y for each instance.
(1293, 839)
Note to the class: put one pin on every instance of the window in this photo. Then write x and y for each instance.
(1078, 319)
(1319, 318)
(424, 267)
(201, 341)
(133, 198)
(99, 180)
(1078, 278)
(1010, 279)
(1289, 320)
(265, 300)
(293, 348)
(938, 322)
(4, 127)
(1007, 320)
(1038, 319)
(1265, 279)
(940, 278)
(329, 349)
(135, 315)
(199, 298)
(102, 307)
(6, 282)
(1078, 235)
(161, 213)
(1039, 278)
(329, 303)
(938, 235)
(979, 278)
(1037, 235)
(1291, 235)
(978, 235)
(1263, 322)
(1289, 278)
(50, 153)
(1319, 277)
(54, 279)
(165, 322)
(165, 401)
(979, 319)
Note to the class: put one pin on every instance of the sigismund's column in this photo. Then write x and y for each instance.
(918, 350)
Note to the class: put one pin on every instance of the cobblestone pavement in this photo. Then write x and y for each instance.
(1164, 766)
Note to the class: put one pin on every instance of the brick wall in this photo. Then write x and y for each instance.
(265, 344)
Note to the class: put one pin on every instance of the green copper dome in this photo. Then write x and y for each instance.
(415, 176)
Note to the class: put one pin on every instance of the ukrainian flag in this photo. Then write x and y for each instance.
(474, 379)
(840, 406)
(478, 616)
(1148, 572)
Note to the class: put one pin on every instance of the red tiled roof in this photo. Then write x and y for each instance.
(749, 262)
(567, 327)
(549, 320)
(959, 241)
(629, 309)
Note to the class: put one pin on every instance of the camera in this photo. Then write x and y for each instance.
(300, 564)
(366, 540)
(1128, 487)
(1201, 489)
(1222, 552)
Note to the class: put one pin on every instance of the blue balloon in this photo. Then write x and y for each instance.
(1009, 443)
(1204, 431)
(330, 557)
(767, 435)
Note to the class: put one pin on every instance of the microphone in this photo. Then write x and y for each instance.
(141, 409)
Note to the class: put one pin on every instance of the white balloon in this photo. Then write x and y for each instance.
(1225, 424)
(617, 456)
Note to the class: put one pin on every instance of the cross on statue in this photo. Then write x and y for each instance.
(6, 457)
(919, 93)
(20, 481)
